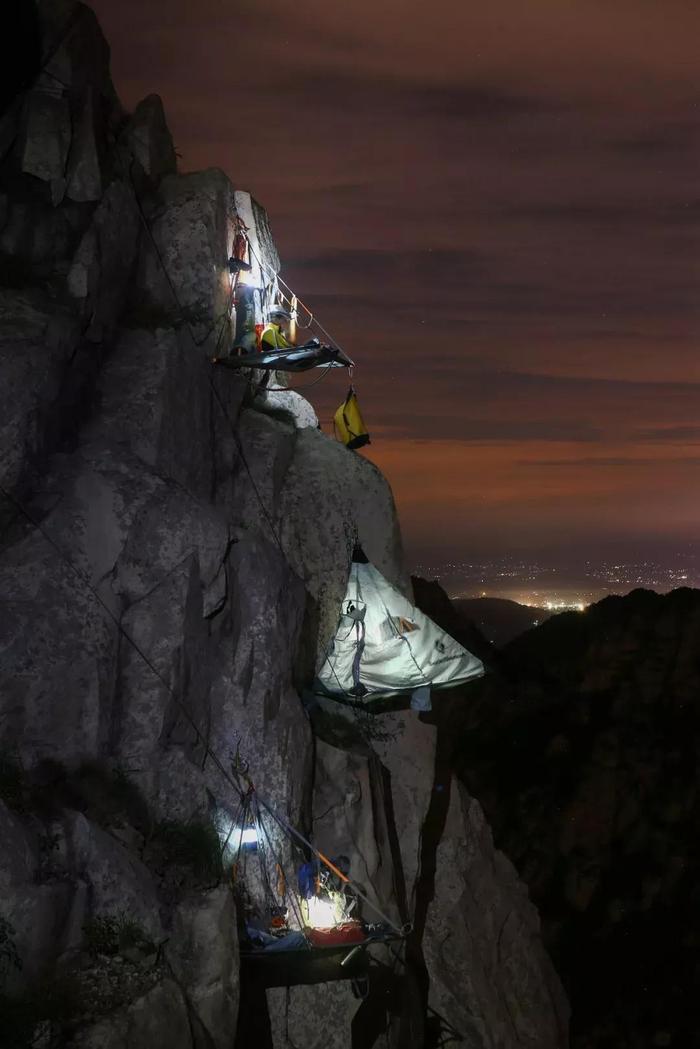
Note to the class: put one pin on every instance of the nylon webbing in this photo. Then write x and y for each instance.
(289, 830)
(201, 738)
(199, 343)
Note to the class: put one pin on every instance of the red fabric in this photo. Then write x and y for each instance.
(348, 932)
(240, 247)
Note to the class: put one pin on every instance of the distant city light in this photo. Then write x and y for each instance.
(565, 606)
(560, 588)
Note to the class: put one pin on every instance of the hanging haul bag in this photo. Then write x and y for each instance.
(348, 424)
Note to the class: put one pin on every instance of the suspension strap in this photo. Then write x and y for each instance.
(290, 831)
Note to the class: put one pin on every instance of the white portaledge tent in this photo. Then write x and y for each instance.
(384, 646)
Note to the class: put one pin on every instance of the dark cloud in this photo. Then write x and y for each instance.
(611, 213)
(673, 434)
(612, 461)
(480, 101)
(344, 95)
(495, 209)
(594, 388)
(338, 192)
(666, 138)
(436, 427)
(411, 267)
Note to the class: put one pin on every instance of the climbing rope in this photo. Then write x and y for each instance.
(284, 389)
(239, 447)
(200, 736)
(312, 320)
(403, 637)
(205, 338)
(293, 896)
(198, 344)
(331, 644)
(292, 832)
(231, 778)
(238, 821)
(245, 785)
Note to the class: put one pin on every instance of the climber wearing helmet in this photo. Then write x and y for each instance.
(275, 336)
(275, 342)
(276, 331)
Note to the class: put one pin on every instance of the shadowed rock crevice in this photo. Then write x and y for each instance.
(399, 879)
(431, 834)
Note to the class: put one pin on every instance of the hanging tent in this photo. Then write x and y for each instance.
(294, 359)
(384, 646)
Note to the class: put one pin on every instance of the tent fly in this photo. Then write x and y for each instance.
(385, 646)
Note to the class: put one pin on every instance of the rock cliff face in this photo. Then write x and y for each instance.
(174, 548)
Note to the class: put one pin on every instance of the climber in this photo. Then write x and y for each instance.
(325, 893)
(336, 882)
(276, 352)
(276, 331)
(275, 336)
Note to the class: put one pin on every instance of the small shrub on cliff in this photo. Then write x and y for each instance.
(114, 933)
(108, 796)
(194, 846)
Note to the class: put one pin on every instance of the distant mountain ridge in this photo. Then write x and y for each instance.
(499, 619)
(582, 745)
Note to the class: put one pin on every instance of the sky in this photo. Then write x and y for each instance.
(495, 209)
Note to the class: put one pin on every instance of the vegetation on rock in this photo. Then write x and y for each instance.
(112, 934)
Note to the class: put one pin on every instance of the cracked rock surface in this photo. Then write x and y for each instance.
(173, 552)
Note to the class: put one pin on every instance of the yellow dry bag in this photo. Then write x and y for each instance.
(348, 424)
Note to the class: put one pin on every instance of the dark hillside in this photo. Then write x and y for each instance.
(429, 595)
(498, 619)
(583, 753)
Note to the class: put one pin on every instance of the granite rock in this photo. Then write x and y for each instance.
(174, 572)
(148, 139)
